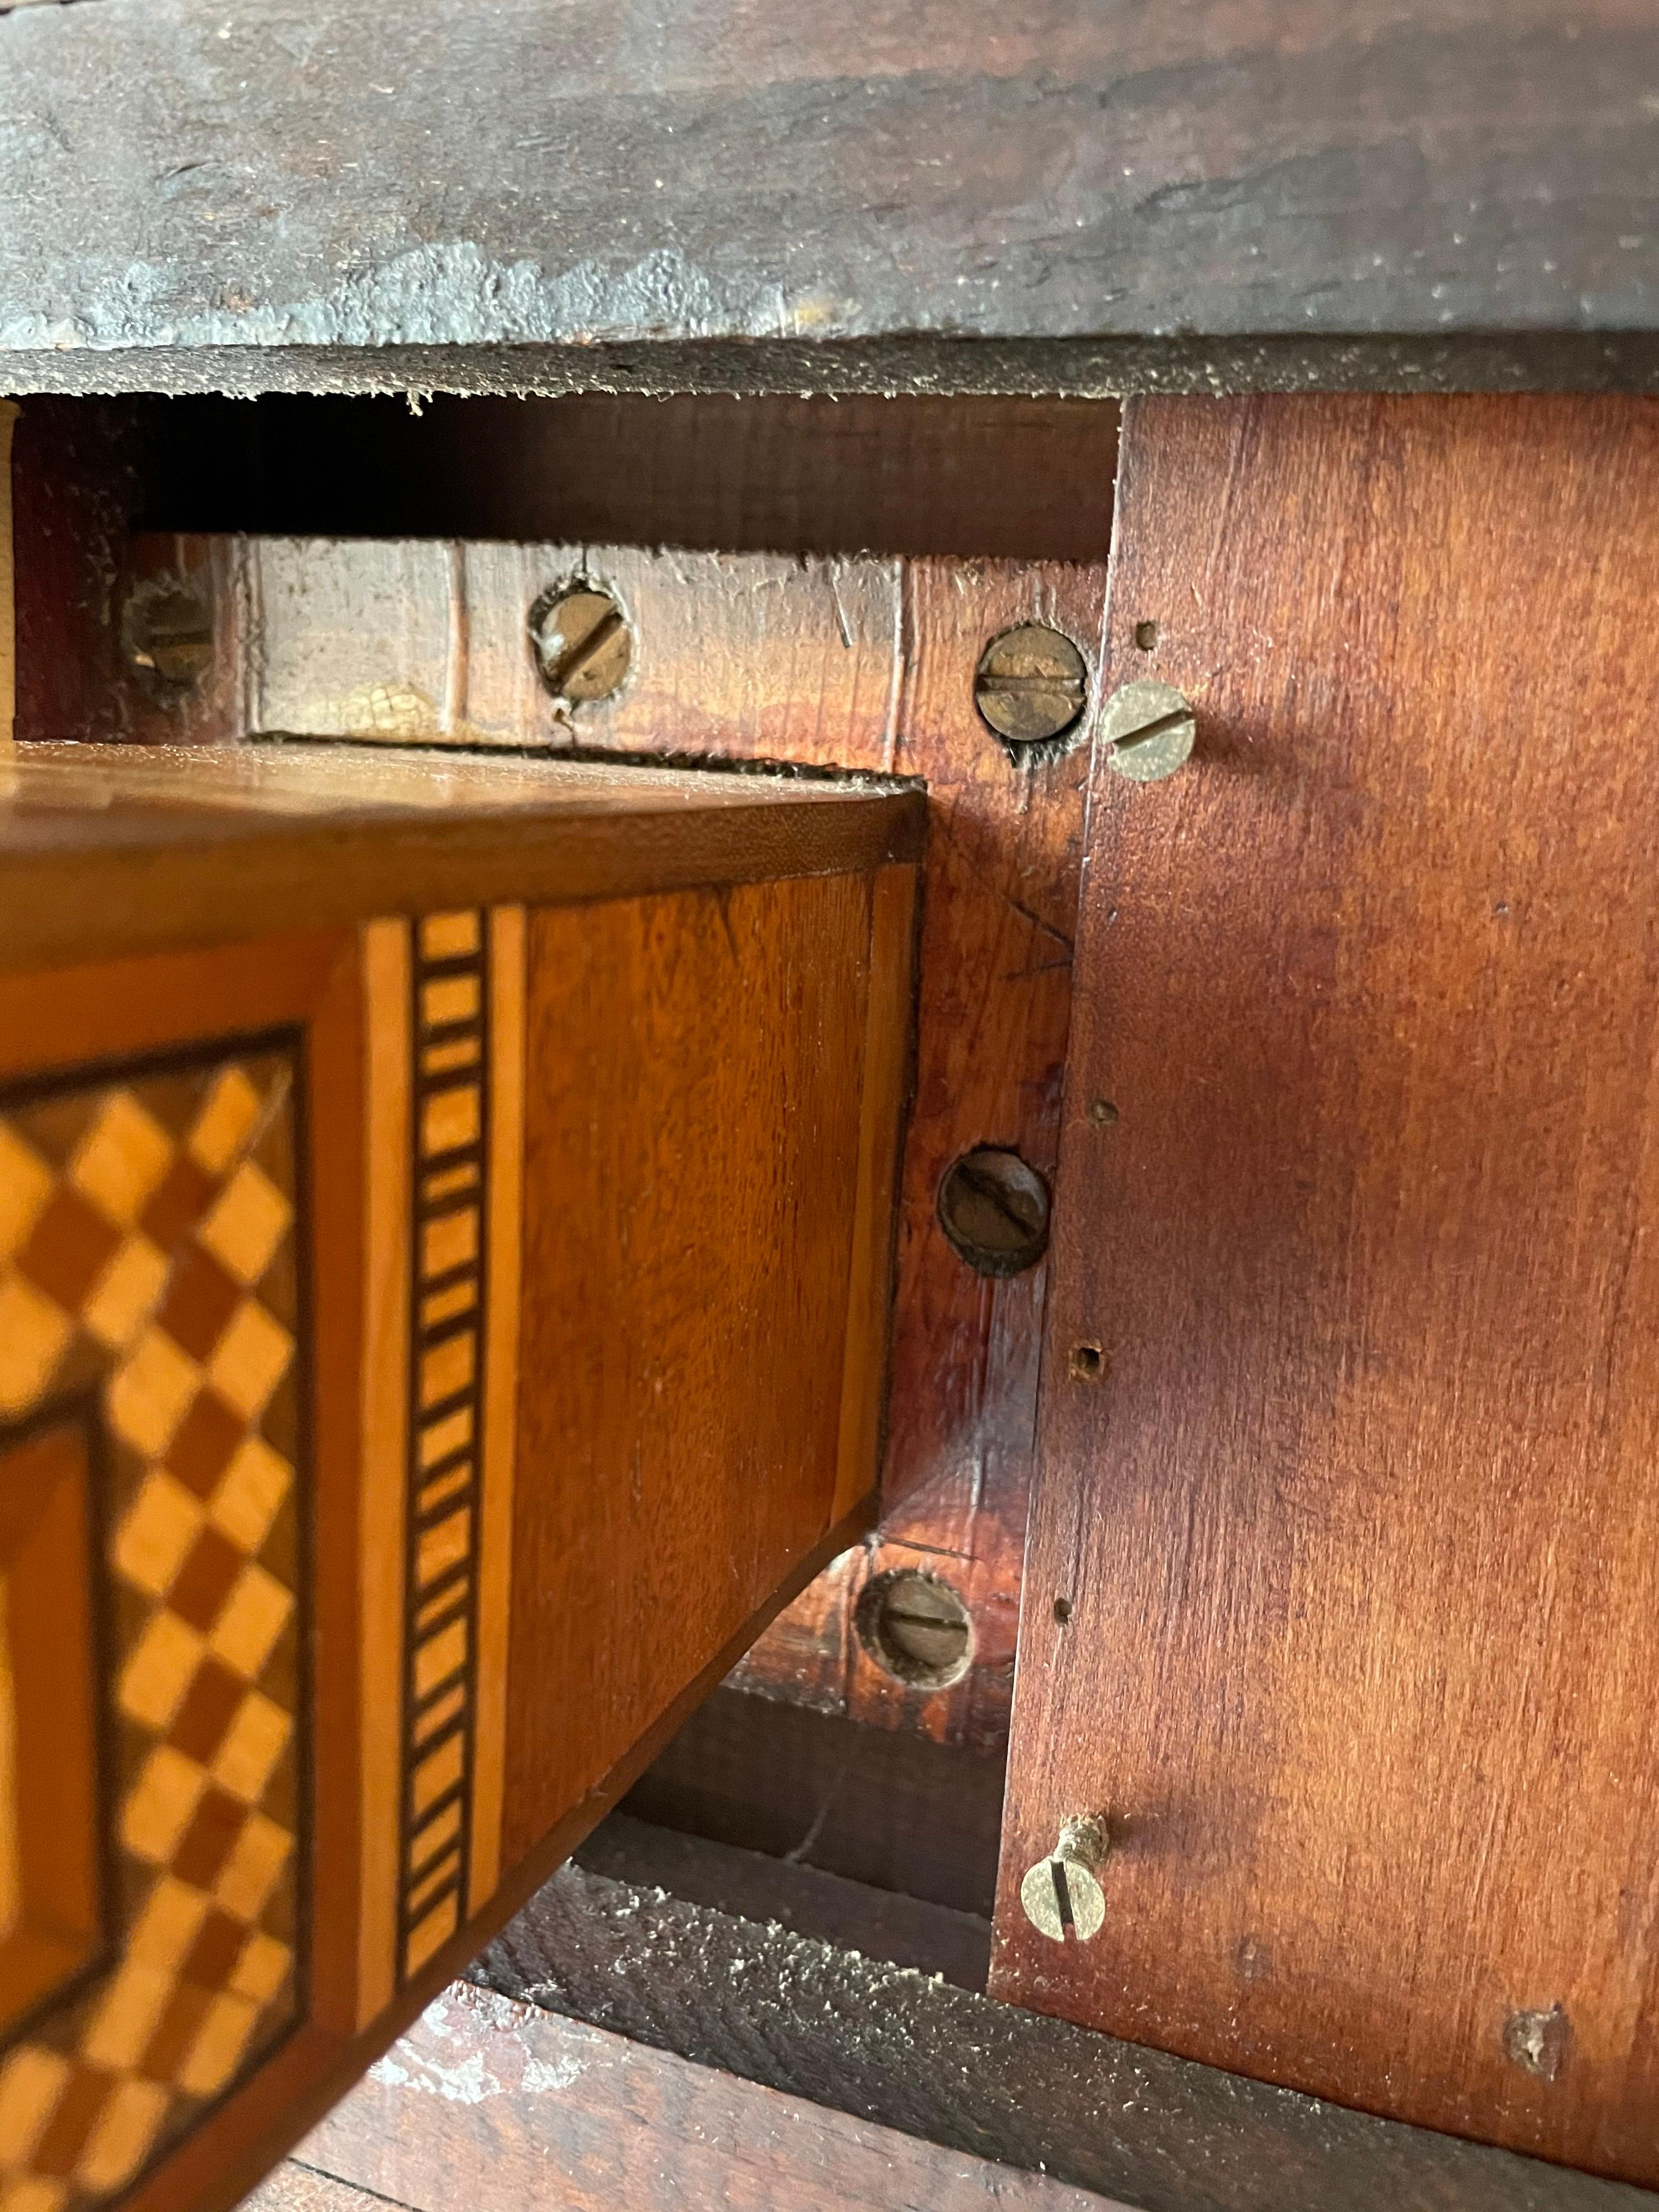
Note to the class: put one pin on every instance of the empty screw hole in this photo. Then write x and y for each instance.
(1062, 1610)
(1088, 1363)
(1101, 1113)
(1147, 636)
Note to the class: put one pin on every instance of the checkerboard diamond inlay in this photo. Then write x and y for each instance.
(148, 1265)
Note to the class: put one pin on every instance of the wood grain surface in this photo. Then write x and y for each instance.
(697, 1335)
(831, 2022)
(189, 180)
(856, 663)
(262, 1205)
(1357, 1523)
(506, 2104)
(979, 478)
(129, 850)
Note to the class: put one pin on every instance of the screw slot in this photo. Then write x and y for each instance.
(995, 1210)
(1148, 730)
(1061, 1895)
(1031, 684)
(916, 1628)
(583, 645)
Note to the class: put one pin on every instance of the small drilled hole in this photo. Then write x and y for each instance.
(1147, 636)
(916, 1628)
(995, 1210)
(1101, 1113)
(1062, 1610)
(1088, 1363)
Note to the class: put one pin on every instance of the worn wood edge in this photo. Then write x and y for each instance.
(239, 2174)
(238, 876)
(891, 2044)
(504, 1255)
(886, 1925)
(886, 367)
(577, 2116)
(888, 1078)
(387, 1078)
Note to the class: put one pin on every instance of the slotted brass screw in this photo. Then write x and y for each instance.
(1148, 730)
(1030, 684)
(582, 643)
(1061, 1895)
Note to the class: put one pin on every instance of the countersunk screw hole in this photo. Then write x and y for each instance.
(1031, 684)
(1147, 636)
(582, 641)
(916, 1628)
(994, 1208)
(1087, 1363)
(1101, 1113)
(166, 636)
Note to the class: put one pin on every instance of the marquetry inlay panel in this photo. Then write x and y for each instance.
(150, 1431)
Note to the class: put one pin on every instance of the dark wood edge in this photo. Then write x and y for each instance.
(893, 2045)
(241, 2173)
(243, 874)
(1075, 368)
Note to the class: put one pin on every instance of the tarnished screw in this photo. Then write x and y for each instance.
(1030, 684)
(1060, 1894)
(995, 1210)
(1148, 729)
(167, 634)
(582, 641)
(915, 1628)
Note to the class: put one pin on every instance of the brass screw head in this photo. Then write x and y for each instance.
(994, 1208)
(166, 636)
(1148, 730)
(1061, 1895)
(583, 645)
(1032, 683)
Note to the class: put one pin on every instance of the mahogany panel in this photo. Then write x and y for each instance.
(121, 849)
(692, 1147)
(1345, 1562)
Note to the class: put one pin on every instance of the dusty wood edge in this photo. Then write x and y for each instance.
(490, 2102)
(239, 2176)
(889, 2044)
(1073, 368)
(884, 1924)
(241, 873)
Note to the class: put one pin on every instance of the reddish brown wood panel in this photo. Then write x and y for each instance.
(486, 2100)
(1003, 844)
(692, 1153)
(1358, 1523)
